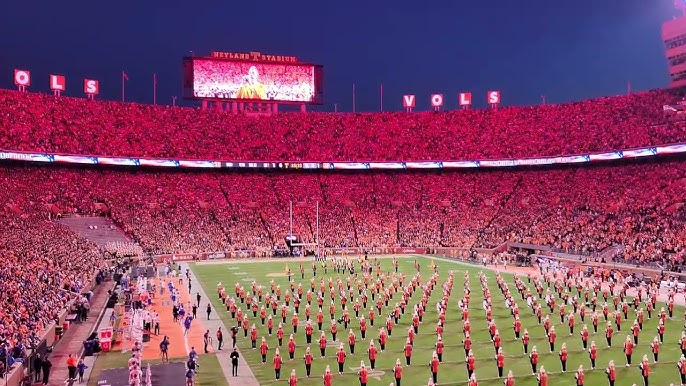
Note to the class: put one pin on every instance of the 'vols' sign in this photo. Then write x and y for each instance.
(409, 101)
(57, 83)
(436, 100)
(22, 78)
(493, 97)
(91, 86)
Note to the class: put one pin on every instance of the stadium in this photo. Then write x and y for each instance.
(241, 239)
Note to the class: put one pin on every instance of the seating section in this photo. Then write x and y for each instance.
(38, 122)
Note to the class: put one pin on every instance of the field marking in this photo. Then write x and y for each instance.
(376, 374)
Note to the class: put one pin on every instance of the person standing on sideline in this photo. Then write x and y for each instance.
(234, 362)
(198, 297)
(220, 338)
(207, 340)
(209, 310)
(37, 367)
(164, 349)
(71, 366)
(47, 366)
(81, 369)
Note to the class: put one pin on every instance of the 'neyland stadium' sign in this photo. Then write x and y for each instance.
(254, 56)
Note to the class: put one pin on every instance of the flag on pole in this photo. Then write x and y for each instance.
(124, 76)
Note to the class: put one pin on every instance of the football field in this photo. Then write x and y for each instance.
(452, 370)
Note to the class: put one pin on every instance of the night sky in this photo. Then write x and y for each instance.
(566, 50)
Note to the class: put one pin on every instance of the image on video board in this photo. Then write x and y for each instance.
(253, 81)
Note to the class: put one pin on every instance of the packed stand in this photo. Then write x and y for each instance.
(45, 267)
(38, 122)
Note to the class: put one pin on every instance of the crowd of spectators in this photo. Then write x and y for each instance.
(44, 268)
(580, 210)
(39, 122)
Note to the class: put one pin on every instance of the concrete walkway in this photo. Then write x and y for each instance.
(72, 341)
(245, 375)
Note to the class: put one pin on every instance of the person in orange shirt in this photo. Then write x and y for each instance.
(309, 330)
(408, 352)
(327, 377)
(291, 347)
(593, 354)
(472, 381)
(278, 361)
(340, 358)
(263, 350)
(433, 365)
(397, 372)
(308, 358)
(439, 348)
(334, 329)
(362, 374)
(471, 364)
(563, 357)
(655, 346)
(71, 366)
(294, 323)
(322, 344)
(579, 376)
(542, 377)
(372, 351)
(383, 337)
(293, 379)
(681, 366)
(351, 341)
(608, 334)
(533, 359)
(500, 362)
(628, 349)
(611, 373)
(510, 380)
(645, 369)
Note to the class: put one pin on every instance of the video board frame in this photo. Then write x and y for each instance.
(188, 74)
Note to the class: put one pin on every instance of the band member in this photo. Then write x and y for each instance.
(611, 373)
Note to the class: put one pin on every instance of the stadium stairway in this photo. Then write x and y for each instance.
(99, 230)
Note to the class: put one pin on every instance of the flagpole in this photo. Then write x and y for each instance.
(122, 85)
(353, 97)
(154, 89)
(381, 92)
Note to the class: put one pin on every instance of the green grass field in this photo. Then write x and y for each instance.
(210, 375)
(452, 370)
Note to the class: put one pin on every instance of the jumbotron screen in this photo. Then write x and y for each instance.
(253, 81)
